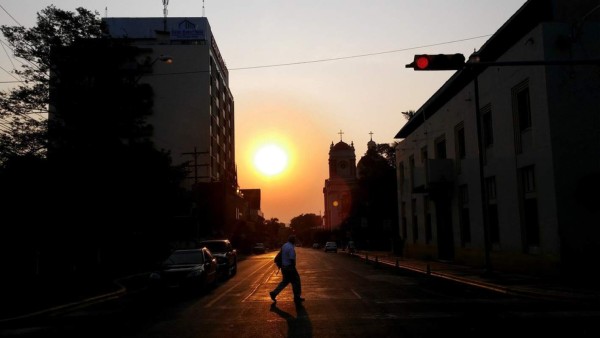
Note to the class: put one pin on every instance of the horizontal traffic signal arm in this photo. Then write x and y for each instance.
(424, 62)
(437, 62)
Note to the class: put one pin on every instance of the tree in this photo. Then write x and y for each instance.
(78, 128)
(98, 123)
(408, 114)
(24, 108)
(373, 220)
(304, 224)
(388, 151)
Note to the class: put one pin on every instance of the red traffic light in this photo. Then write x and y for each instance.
(437, 62)
(421, 62)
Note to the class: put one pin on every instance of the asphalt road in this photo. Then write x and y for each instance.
(345, 297)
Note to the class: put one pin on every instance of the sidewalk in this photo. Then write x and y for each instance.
(514, 284)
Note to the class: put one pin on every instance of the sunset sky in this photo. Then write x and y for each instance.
(301, 71)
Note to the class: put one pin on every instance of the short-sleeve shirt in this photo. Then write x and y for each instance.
(288, 253)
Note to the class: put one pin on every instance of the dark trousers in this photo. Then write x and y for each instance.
(290, 275)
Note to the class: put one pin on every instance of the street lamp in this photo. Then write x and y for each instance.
(147, 66)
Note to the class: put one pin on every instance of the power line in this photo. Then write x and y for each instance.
(11, 75)
(318, 60)
(361, 55)
(4, 9)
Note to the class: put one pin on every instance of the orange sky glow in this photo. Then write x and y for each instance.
(301, 71)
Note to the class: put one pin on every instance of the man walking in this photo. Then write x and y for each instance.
(289, 272)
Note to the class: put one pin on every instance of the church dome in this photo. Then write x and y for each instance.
(342, 146)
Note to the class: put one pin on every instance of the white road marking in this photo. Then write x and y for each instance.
(226, 292)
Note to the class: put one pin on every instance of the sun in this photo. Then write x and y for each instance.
(270, 159)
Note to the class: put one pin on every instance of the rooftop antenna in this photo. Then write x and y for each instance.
(105, 12)
(165, 12)
(203, 8)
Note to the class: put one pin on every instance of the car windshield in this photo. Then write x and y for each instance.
(185, 257)
(215, 246)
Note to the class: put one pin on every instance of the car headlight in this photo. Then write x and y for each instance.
(154, 276)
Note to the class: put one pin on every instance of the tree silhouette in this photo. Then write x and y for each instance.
(23, 109)
(97, 193)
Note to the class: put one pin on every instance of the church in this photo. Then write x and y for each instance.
(360, 197)
(341, 184)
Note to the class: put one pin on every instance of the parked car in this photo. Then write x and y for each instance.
(259, 248)
(194, 268)
(316, 245)
(225, 254)
(330, 246)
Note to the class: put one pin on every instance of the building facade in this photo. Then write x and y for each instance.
(499, 168)
(340, 186)
(193, 104)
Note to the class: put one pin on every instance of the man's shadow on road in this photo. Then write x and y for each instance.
(299, 326)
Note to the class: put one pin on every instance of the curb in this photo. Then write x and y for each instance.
(530, 293)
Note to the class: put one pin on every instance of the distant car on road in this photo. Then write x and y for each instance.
(331, 246)
(259, 248)
(316, 245)
(225, 254)
(193, 268)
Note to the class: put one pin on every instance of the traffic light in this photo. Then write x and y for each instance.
(437, 62)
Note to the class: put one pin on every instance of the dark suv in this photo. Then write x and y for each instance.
(225, 254)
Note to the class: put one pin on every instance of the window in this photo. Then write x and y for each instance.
(427, 215)
(459, 140)
(461, 152)
(403, 211)
(521, 113)
(424, 162)
(486, 121)
(440, 147)
(415, 220)
(411, 169)
(401, 176)
(492, 208)
(528, 179)
(464, 215)
(490, 189)
(528, 201)
(523, 109)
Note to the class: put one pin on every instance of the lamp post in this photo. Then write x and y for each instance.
(148, 65)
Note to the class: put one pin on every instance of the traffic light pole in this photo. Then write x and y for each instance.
(473, 65)
(484, 207)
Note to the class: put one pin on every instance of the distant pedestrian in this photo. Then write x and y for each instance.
(289, 272)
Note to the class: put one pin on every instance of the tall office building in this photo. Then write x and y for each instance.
(193, 106)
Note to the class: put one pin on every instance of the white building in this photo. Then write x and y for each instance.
(540, 150)
(193, 105)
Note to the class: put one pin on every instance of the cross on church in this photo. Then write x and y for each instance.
(371, 133)
(341, 132)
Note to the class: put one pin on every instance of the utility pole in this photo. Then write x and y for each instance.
(195, 154)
